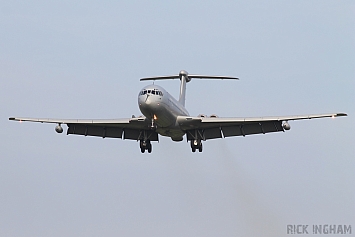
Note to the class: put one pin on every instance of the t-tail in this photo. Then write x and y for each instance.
(185, 78)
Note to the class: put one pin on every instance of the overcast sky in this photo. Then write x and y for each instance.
(83, 59)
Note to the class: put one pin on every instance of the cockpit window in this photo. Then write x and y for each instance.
(153, 92)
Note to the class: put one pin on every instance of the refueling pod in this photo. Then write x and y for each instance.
(58, 128)
(286, 125)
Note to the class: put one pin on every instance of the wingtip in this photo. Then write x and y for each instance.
(341, 114)
(11, 118)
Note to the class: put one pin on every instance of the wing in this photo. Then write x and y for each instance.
(130, 128)
(210, 128)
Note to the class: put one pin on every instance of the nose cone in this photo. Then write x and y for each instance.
(145, 100)
(149, 100)
(148, 104)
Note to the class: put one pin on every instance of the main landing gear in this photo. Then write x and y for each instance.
(145, 145)
(196, 145)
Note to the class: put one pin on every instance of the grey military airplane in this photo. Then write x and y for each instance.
(165, 115)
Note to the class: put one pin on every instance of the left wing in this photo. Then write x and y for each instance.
(210, 128)
(130, 128)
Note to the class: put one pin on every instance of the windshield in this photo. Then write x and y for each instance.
(151, 92)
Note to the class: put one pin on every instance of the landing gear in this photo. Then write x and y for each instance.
(196, 144)
(145, 145)
(153, 126)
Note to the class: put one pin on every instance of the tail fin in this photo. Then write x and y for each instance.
(185, 78)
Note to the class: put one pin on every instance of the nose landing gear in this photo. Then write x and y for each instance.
(196, 144)
(153, 126)
(145, 145)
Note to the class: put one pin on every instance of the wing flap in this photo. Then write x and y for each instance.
(113, 132)
(212, 133)
(235, 130)
(132, 134)
(260, 127)
(97, 131)
(230, 131)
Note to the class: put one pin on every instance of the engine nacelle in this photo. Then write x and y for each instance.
(286, 125)
(59, 129)
(202, 116)
(213, 116)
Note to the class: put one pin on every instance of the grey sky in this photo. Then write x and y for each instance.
(84, 59)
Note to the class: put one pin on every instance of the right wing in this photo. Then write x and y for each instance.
(130, 128)
(211, 128)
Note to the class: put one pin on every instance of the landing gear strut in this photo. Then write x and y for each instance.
(145, 145)
(196, 144)
(152, 125)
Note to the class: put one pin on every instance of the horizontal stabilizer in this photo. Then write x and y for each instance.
(185, 78)
(212, 77)
(189, 76)
(159, 78)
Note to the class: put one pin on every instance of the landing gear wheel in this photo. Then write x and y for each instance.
(196, 145)
(145, 145)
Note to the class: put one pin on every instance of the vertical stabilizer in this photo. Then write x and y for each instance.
(184, 79)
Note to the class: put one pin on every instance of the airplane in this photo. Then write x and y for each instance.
(166, 116)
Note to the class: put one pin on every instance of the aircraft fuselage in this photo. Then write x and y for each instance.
(158, 105)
